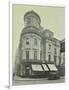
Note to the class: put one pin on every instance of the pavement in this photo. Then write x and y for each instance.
(29, 81)
(16, 78)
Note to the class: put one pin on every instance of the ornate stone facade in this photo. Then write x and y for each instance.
(37, 44)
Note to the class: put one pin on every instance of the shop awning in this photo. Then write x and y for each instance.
(36, 67)
(52, 67)
(45, 67)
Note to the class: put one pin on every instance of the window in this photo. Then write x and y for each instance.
(49, 46)
(55, 59)
(55, 51)
(40, 54)
(49, 57)
(35, 41)
(27, 55)
(35, 55)
(27, 41)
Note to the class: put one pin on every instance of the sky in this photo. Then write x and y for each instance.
(52, 18)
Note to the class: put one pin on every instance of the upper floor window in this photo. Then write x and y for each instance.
(49, 46)
(27, 41)
(55, 59)
(40, 54)
(55, 51)
(35, 55)
(35, 41)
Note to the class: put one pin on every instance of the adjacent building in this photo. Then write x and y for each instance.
(62, 50)
(62, 64)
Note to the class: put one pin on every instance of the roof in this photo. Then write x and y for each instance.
(32, 13)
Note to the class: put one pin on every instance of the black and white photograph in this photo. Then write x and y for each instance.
(38, 44)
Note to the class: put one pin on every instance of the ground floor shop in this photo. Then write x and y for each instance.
(37, 69)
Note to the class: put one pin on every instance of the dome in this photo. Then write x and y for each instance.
(47, 33)
(32, 13)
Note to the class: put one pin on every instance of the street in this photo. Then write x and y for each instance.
(29, 81)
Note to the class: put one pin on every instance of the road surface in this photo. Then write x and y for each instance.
(29, 81)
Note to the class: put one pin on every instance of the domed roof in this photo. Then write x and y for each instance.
(32, 13)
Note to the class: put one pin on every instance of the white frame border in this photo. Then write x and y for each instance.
(10, 25)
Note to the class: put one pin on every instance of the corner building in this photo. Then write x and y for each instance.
(36, 45)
